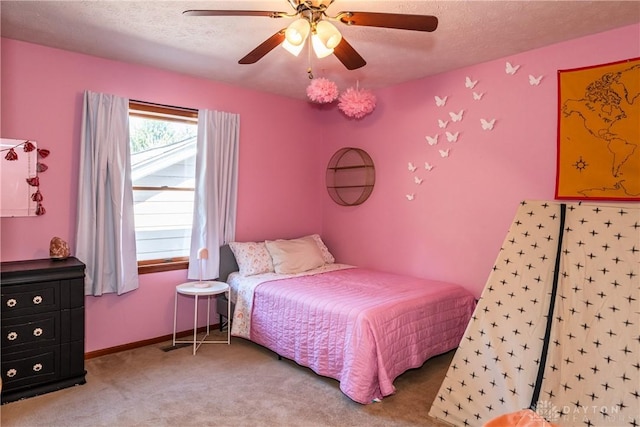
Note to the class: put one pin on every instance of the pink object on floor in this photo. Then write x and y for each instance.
(523, 418)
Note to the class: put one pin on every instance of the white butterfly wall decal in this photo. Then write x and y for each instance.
(477, 96)
(417, 180)
(511, 69)
(410, 196)
(411, 167)
(452, 137)
(456, 117)
(444, 153)
(487, 124)
(440, 101)
(432, 140)
(427, 166)
(442, 123)
(534, 81)
(470, 84)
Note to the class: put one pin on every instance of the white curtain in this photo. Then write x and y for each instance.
(105, 238)
(214, 217)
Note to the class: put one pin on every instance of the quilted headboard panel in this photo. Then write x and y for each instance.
(228, 263)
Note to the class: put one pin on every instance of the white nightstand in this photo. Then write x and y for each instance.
(199, 289)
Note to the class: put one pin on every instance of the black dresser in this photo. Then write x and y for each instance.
(42, 326)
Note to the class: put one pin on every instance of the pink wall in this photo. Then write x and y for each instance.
(452, 230)
(454, 227)
(42, 100)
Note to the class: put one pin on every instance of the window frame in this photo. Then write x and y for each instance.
(149, 110)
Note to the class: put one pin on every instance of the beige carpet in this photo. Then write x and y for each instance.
(238, 385)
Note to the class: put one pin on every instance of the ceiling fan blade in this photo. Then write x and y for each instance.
(390, 20)
(265, 47)
(236, 13)
(348, 55)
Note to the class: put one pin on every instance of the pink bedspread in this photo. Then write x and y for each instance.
(361, 327)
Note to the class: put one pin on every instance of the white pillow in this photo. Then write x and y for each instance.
(295, 255)
(326, 255)
(252, 257)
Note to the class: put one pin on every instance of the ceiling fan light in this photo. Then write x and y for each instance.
(292, 49)
(297, 32)
(328, 34)
(319, 48)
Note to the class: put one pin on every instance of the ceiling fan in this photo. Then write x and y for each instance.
(325, 38)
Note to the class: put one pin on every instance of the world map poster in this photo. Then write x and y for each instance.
(599, 132)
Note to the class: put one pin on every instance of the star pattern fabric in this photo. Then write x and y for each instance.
(592, 374)
(592, 352)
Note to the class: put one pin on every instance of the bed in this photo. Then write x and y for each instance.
(361, 327)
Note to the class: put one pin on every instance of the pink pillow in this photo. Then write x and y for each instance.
(326, 255)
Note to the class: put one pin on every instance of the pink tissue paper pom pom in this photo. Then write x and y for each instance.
(357, 102)
(322, 91)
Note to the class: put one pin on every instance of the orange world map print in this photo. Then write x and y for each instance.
(599, 132)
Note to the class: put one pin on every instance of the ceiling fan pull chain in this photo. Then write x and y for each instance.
(309, 72)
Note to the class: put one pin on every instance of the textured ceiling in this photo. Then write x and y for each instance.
(155, 33)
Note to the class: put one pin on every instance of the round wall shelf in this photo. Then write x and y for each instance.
(350, 176)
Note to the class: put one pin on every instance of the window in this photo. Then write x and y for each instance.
(163, 154)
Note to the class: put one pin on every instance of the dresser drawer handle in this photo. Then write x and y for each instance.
(37, 332)
(11, 336)
(11, 373)
(37, 367)
(37, 299)
(12, 302)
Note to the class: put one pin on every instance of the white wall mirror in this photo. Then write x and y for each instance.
(16, 192)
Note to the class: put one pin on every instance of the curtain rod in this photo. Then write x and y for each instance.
(153, 104)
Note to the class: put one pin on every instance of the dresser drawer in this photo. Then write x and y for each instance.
(31, 298)
(30, 367)
(27, 332)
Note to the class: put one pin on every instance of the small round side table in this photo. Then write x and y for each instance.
(199, 289)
